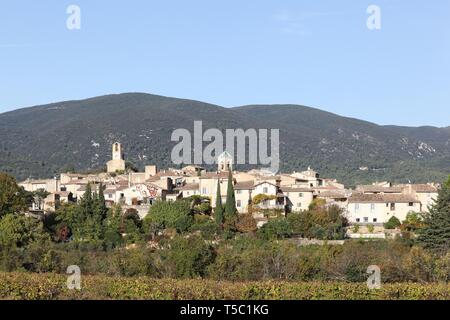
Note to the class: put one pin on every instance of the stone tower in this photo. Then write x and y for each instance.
(117, 151)
(117, 163)
(225, 162)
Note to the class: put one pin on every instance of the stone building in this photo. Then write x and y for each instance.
(117, 164)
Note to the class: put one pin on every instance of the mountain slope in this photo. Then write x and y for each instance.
(43, 140)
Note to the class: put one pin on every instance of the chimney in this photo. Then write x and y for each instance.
(150, 171)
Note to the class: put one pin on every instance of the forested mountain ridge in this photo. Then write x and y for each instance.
(42, 141)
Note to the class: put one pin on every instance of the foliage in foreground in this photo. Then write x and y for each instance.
(53, 287)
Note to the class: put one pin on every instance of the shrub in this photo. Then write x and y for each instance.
(183, 257)
(207, 227)
(275, 229)
(393, 223)
(246, 223)
(320, 222)
(169, 215)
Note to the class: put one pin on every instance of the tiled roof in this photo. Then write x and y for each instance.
(296, 189)
(332, 194)
(421, 188)
(372, 188)
(244, 185)
(189, 186)
(214, 175)
(383, 198)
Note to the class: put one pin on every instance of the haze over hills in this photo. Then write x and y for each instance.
(44, 140)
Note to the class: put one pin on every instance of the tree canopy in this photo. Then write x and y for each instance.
(436, 233)
(12, 197)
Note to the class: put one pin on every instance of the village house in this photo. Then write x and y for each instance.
(285, 193)
(424, 193)
(379, 208)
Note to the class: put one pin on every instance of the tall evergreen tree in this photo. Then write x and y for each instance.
(112, 223)
(87, 202)
(436, 233)
(230, 205)
(218, 211)
(102, 202)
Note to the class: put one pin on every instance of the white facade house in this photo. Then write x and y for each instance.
(379, 208)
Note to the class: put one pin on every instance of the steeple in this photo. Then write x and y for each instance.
(117, 163)
(117, 151)
(225, 162)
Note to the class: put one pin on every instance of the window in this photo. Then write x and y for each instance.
(366, 219)
(392, 206)
(204, 191)
(358, 219)
(265, 190)
(375, 220)
(356, 207)
(238, 203)
(110, 195)
(411, 204)
(238, 191)
(63, 189)
(299, 204)
(372, 207)
(300, 195)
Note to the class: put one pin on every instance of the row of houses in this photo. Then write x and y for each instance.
(287, 193)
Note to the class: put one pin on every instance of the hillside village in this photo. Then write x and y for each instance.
(285, 193)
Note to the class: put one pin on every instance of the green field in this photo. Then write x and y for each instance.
(53, 287)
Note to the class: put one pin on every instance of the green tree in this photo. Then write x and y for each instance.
(131, 226)
(319, 222)
(101, 201)
(95, 218)
(86, 201)
(86, 219)
(12, 197)
(206, 226)
(218, 211)
(69, 216)
(392, 223)
(436, 233)
(112, 225)
(19, 231)
(230, 205)
(163, 215)
(413, 222)
(275, 229)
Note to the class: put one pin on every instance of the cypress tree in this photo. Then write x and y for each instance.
(436, 233)
(102, 202)
(219, 208)
(230, 205)
(87, 201)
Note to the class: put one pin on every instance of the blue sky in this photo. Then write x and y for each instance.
(234, 52)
